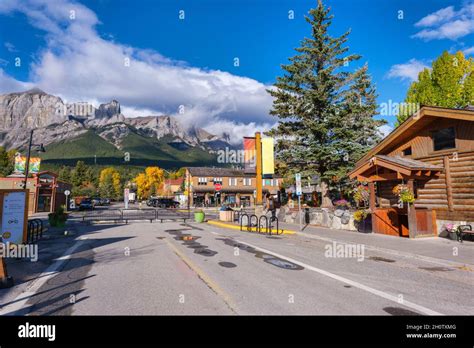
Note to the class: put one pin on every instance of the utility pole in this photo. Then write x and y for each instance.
(188, 175)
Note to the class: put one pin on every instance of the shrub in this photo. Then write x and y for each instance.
(58, 218)
(361, 214)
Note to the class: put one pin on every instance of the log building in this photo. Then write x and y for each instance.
(432, 152)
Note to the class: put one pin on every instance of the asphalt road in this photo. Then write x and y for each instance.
(148, 268)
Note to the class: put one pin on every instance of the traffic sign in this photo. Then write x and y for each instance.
(67, 192)
(298, 184)
(218, 187)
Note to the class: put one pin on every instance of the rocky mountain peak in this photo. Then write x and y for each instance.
(54, 120)
(35, 90)
(108, 110)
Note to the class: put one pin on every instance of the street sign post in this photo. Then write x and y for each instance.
(67, 193)
(126, 196)
(298, 193)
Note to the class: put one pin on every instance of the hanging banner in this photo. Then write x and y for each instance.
(268, 164)
(20, 164)
(250, 155)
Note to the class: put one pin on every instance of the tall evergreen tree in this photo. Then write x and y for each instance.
(325, 112)
(79, 174)
(64, 174)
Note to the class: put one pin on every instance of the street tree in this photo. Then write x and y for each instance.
(110, 183)
(325, 112)
(449, 83)
(7, 161)
(150, 182)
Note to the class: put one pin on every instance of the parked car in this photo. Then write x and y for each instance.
(104, 201)
(86, 204)
(151, 202)
(162, 203)
(166, 203)
(96, 201)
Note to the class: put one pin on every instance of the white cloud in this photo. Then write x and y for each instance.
(447, 23)
(469, 51)
(9, 84)
(78, 64)
(10, 47)
(407, 71)
(437, 17)
(385, 130)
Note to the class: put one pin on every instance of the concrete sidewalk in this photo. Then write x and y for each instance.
(434, 249)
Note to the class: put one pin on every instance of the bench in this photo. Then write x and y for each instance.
(464, 230)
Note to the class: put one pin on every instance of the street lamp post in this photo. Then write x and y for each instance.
(27, 164)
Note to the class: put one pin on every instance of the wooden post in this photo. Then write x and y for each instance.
(372, 203)
(412, 228)
(258, 184)
(449, 188)
(5, 280)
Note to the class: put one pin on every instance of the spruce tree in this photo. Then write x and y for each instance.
(324, 111)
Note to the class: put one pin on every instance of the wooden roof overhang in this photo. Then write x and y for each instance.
(384, 168)
(413, 125)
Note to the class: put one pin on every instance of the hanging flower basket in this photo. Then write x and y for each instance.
(361, 195)
(404, 193)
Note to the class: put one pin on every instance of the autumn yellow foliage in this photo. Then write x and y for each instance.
(150, 182)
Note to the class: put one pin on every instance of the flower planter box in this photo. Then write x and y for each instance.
(453, 236)
(365, 226)
(227, 216)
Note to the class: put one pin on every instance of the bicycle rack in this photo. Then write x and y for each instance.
(259, 229)
(263, 221)
(249, 226)
(34, 230)
(274, 218)
(242, 220)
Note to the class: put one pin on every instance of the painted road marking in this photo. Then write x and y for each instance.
(204, 277)
(17, 306)
(361, 286)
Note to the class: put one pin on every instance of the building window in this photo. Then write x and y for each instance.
(247, 181)
(217, 181)
(444, 139)
(202, 181)
(407, 151)
(232, 181)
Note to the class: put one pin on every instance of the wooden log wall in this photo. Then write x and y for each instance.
(434, 193)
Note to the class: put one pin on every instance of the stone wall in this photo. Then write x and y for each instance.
(337, 219)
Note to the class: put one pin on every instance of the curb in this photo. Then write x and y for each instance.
(235, 227)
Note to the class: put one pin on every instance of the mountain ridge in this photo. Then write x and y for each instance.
(56, 123)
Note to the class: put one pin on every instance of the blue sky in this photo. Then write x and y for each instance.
(190, 62)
